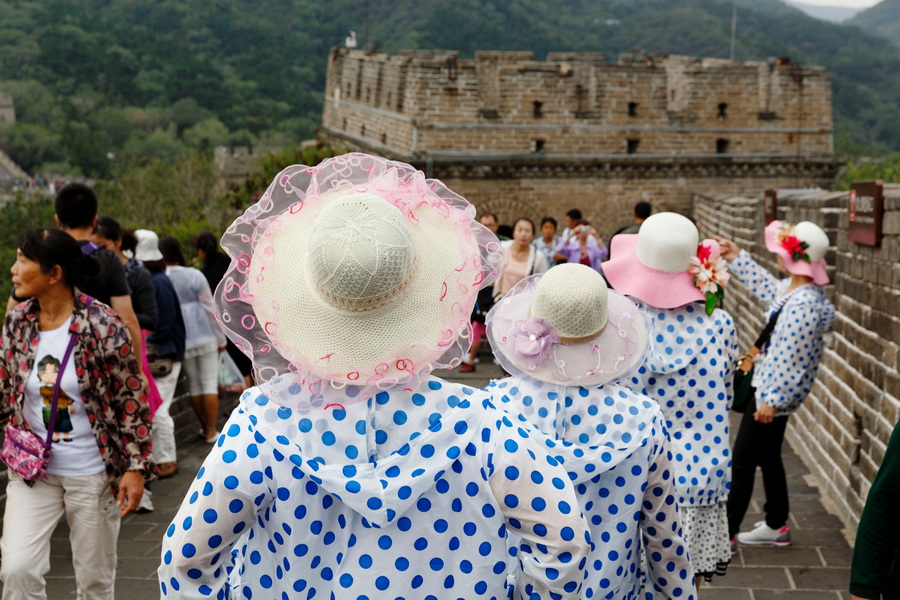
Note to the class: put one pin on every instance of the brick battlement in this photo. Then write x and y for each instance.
(432, 104)
(520, 137)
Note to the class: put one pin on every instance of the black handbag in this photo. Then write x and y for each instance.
(743, 389)
(159, 366)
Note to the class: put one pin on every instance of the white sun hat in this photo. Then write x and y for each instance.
(354, 276)
(147, 246)
(565, 327)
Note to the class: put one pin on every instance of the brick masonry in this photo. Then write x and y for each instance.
(521, 137)
(843, 426)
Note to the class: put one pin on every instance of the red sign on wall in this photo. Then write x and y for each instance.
(770, 206)
(866, 212)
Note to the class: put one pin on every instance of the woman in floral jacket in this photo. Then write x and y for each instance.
(101, 458)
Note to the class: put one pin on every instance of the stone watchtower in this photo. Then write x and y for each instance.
(523, 137)
(7, 110)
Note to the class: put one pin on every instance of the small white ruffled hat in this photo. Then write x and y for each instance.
(567, 328)
(354, 276)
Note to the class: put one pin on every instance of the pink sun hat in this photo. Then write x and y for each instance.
(352, 277)
(802, 247)
(666, 265)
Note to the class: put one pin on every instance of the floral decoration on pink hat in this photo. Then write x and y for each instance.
(351, 277)
(666, 265)
(710, 272)
(802, 247)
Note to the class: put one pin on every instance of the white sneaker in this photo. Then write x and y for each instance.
(146, 503)
(763, 534)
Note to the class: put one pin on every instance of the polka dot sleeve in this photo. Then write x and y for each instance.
(669, 572)
(541, 508)
(761, 283)
(232, 486)
(794, 351)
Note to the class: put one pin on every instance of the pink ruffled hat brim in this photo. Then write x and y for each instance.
(627, 275)
(815, 269)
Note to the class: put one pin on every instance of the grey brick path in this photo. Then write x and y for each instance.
(815, 567)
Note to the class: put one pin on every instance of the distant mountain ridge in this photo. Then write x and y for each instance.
(883, 20)
(834, 14)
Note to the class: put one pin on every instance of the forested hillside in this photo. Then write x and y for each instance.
(106, 85)
(883, 19)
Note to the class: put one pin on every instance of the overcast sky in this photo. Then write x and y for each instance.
(844, 3)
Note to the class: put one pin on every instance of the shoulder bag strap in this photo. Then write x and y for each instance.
(767, 330)
(55, 406)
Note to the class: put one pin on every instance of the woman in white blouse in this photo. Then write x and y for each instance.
(204, 338)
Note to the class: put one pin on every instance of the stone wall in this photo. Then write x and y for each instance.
(433, 104)
(520, 137)
(843, 426)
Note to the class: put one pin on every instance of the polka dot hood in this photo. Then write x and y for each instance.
(407, 495)
(593, 430)
(613, 444)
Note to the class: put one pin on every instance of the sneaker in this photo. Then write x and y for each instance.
(146, 503)
(466, 367)
(763, 534)
(733, 543)
(211, 440)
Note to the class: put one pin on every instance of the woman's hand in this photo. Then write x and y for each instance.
(730, 250)
(764, 414)
(131, 488)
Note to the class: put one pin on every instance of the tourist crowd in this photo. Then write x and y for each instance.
(600, 467)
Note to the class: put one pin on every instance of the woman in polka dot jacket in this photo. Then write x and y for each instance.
(785, 370)
(611, 441)
(688, 369)
(383, 482)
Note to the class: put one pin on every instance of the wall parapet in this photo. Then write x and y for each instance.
(843, 426)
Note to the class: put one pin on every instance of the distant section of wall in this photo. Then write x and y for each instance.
(843, 426)
(517, 136)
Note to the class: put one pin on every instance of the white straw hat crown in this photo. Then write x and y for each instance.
(814, 236)
(666, 242)
(573, 300)
(361, 254)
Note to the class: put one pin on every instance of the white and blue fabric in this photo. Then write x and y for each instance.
(613, 444)
(689, 370)
(407, 495)
(783, 376)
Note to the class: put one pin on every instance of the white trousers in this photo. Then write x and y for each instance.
(32, 514)
(163, 429)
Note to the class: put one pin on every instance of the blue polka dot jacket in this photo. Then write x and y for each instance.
(784, 373)
(410, 494)
(613, 445)
(689, 370)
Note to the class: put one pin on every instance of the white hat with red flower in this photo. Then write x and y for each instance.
(666, 265)
(802, 247)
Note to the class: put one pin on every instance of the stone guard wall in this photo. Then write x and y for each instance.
(843, 426)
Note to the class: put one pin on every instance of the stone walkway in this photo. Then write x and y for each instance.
(815, 567)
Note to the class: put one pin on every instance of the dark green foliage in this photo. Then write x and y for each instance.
(103, 85)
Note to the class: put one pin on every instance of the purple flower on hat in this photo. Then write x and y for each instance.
(533, 339)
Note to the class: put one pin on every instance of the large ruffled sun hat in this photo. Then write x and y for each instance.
(802, 247)
(565, 327)
(352, 277)
(666, 265)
